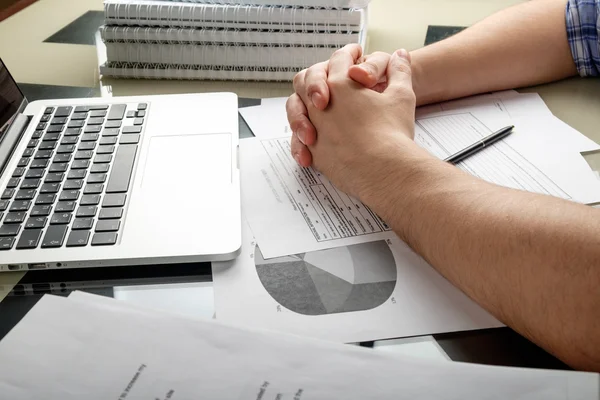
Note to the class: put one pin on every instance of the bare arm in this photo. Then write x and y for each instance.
(533, 261)
(521, 46)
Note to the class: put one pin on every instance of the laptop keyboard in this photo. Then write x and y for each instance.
(71, 183)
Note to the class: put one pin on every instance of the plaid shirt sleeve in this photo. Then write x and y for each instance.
(583, 32)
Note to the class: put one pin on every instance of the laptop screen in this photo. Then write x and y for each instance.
(10, 99)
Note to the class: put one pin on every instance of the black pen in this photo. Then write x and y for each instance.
(480, 145)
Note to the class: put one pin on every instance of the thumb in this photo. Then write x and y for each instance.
(399, 73)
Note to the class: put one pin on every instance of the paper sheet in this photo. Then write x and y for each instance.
(121, 352)
(269, 119)
(363, 292)
(293, 209)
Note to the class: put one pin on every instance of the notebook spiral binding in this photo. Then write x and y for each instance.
(214, 39)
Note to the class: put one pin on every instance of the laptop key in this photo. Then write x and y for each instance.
(73, 132)
(122, 169)
(130, 114)
(93, 188)
(86, 211)
(110, 132)
(142, 106)
(113, 124)
(20, 205)
(105, 150)
(3, 205)
(25, 194)
(79, 116)
(33, 143)
(130, 139)
(23, 162)
(61, 218)
(13, 182)
(51, 137)
(138, 121)
(35, 173)
(47, 198)
(69, 140)
(58, 167)
(43, 154)
(30, 239)
(6, 243)
(78, 238)
(80, 164)
(89, 137)
(92, 107)
(10, 230)
(86, 146)
(73, 184)
(96, 178)
(108, 225)
(15, 217)
(132, 129)
(104, 239)
(18, 172)
(95, 121)
(65, 148)
(49, 110)
(64, 111)
(39, 164)
(67, 195)
(50, 188)
(103, 158)
(76, 124)
(28, 152)
(41, 211)
(7, 194)
(41, 126)
(30, 184)
(62, 158)
(90, 200)
(96, 168)
(110, 213)
(54, 177)
(47, 145)
(98, 113)
(58, 121)
(83, 223)
(65, 206)
(140, 114)
(106, 140)
(117, 112)
(36, 222)
(37, 134)
(92, 129)
(77, 174)
(55, 128)
(55, 236)
(84, 154)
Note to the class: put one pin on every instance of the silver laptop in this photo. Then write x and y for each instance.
(117, 181)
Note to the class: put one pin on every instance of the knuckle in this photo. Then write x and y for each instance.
(299, 78)
(403, 68)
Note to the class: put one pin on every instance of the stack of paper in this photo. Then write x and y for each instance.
(226, 39)
(319, 263)
(91, 347)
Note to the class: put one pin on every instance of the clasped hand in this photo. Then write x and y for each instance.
(350, 114)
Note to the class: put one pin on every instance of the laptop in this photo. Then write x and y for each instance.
(117, 181)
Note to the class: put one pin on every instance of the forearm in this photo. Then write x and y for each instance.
(520, 46)
(533, 261)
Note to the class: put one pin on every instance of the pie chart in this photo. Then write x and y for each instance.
(345, 279)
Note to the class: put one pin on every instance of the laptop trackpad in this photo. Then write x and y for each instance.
(187, 163)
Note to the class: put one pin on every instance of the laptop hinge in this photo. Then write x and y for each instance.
(12, 137)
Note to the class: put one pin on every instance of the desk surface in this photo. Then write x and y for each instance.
(49, 48)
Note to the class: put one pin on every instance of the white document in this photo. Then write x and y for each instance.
(369, 291)
(269, 119)
(293, 209)
(97, 348)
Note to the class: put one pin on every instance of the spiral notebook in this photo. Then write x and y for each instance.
(213, 39)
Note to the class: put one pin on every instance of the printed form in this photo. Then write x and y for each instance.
(280, 197)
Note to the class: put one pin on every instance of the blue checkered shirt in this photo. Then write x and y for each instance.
(583, 32)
